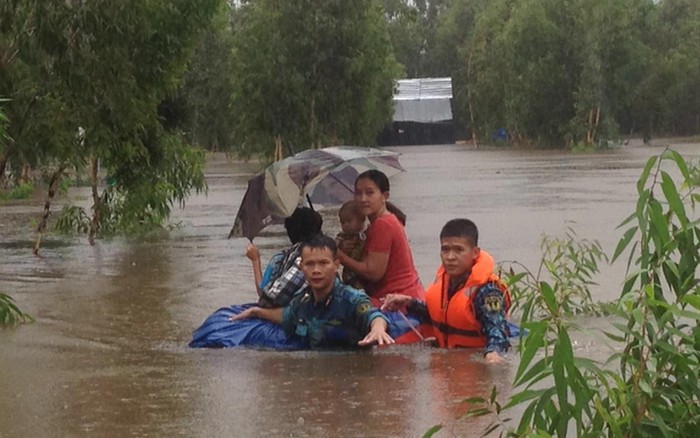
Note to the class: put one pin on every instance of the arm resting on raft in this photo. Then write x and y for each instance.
(272, 315)
(377, 333)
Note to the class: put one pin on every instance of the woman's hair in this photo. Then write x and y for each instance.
(380, 179)
(303, 224)
(351, 209)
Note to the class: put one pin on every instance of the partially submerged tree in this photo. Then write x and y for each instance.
(102, 68)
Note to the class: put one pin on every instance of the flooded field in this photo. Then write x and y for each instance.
(108, 356)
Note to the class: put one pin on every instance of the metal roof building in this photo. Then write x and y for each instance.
(422, 113)
(423, 100)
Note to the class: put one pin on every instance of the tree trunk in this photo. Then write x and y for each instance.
(96, 201)
(279, 154)
(26, 175)
(53, 184)
(312, 128)
(594, 133)
(475, 141)
(4, 157)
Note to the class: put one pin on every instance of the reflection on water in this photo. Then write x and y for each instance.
(107, 355)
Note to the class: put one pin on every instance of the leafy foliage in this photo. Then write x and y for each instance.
(649, 387)
(10, 314)
(576, 73)
(563, 279)
(311, 72)
(203, 102)
(21, 191)
(86, 81)
(72, 219)
(550, 71)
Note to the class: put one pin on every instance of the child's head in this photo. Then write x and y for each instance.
(352, 220)
(458, 246)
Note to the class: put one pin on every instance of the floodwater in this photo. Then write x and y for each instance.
(108, 356)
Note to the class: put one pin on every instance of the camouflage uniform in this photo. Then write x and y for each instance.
(340, 321)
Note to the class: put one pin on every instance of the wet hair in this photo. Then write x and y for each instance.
(351, 209)
(303, 224)
(461, 228)
(380, 179)
(321, 241)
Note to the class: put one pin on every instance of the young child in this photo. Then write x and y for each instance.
(467, 304)
(283, 277)
(352, 222)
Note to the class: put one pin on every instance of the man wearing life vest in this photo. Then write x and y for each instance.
(467, 304)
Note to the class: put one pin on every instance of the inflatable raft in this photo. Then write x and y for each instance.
(218, 332)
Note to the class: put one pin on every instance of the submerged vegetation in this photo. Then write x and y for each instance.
(649, 386)
(10, 314)
(567, 269)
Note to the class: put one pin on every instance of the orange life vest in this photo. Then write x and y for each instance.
(454, 321)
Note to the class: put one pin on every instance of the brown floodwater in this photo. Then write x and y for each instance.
(108, 356)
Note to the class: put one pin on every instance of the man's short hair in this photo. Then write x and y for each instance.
(321, 241)
(461, 228)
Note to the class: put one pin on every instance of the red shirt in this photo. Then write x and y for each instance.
(387, 235)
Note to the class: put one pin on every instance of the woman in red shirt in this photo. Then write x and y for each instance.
(387, 266)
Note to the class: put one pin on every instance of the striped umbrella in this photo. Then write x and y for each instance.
(324, 177)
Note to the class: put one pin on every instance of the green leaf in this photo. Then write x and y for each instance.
(539, 370)
(645, 174)
(661, 234)
(627, 220)
(523, 396)
(490, 429)
(548, 296)
(531, 346)
(693, 300)
(680, 162)
(624, 241)
(562, 360)
(432, 431)
(674, 200)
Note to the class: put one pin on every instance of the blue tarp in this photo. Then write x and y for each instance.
(218, 332)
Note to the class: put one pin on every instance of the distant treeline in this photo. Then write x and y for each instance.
(552, 73)
(559, 72)
(129, 87)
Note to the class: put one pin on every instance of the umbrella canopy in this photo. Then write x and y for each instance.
(325, 177)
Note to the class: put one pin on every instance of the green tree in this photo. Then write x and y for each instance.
(103, 68)
(204, 98)
(668, 101)
(555, 72)
(310, 73)
(414, 27)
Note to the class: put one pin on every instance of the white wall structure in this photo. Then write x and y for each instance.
(423, 100)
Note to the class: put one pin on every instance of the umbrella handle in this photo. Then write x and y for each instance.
(308, 199)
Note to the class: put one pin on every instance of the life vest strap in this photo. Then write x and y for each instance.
(448, 330)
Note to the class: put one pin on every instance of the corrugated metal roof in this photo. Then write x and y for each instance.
(424, 88)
